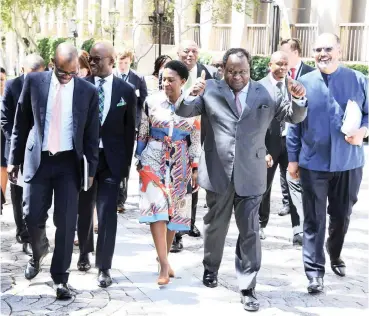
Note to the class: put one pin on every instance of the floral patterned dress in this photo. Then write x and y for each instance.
(168, 147)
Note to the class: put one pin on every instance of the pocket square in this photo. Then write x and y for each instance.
(121, 102)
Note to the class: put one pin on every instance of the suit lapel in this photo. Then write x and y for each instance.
(252, 95)
(77, 96)
(227, 94)
(44, 94)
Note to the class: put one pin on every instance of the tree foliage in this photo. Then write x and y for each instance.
(23, 17)
(47, 46)
(86, 45)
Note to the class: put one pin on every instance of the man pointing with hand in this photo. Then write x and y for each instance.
(232, 168)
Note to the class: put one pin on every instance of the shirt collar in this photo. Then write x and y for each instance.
(123, 73)
(108, 79)
(244, 90)
(297, 66)
(274, 82)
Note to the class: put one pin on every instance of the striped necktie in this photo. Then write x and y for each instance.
(101, 93)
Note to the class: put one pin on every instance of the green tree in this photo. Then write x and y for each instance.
(23, 17)
(88, 44)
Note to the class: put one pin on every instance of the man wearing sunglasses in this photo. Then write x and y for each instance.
(56, 123)
(328, 162)
(117, 113)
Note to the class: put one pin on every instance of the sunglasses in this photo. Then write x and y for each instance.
(326, 49)
(96, 59)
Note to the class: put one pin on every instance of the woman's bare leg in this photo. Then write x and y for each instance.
(159, 235)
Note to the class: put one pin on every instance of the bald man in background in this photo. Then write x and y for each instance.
(13, 89)
(56, 123)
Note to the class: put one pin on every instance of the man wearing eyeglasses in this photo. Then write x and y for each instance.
(232, 167)
(56, 123)
(328, 162)
(117, 113)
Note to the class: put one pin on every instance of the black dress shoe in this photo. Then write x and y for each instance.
(210, 279)
(297, 240)
(63, 292)
(315, 286)
(249, 300)
(177, 245)
(83, 263)
(34, 267)
(103, 278)
(19, 239)
(27, 249)
(338, 266)
(194, 232)
(285, 210)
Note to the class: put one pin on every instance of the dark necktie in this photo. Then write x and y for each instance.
(101, 93)
(280, 94)
(124, 77)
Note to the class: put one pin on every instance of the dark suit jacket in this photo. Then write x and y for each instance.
(13, 89)
(118, 130)
(234, 146)
(138, 82)
(28, 131)
(304, 70)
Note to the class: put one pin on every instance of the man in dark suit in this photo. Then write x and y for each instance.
(124, 71)
(117, 109)
(13, 89)
(56, 123)
(232, 167)
(188, 53)
(275, 142)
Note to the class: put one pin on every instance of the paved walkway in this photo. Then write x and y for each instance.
(281, 285)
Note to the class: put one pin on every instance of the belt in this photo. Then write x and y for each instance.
(50, 154)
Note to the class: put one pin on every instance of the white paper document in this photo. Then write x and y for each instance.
(20, 180)
(351, 119)
(85, 173)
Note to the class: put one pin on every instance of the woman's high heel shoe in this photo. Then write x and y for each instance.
(163, 281)
(170, 272)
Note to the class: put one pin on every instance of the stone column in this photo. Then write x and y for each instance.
(206, 26)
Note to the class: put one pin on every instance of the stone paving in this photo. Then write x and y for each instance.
(281, 286)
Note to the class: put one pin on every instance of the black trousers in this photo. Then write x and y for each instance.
(341, 189)
(123, 191)
(16, 195)
(216, 224)
(56, 175)
(264, 210)
(103, 194)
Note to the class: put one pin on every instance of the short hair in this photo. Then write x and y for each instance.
(2, 70)
(159, 63)
(240, 52)
(178, 67)
(126, 53)
(294, 43)
(34, 62)
(83, 61)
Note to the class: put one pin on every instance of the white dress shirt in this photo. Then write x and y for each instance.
(66, 92)
(193, 74)
(243, 95)
(107, 87)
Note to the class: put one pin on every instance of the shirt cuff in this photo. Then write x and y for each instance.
(293, 157)
(300, 102)
(367, 131)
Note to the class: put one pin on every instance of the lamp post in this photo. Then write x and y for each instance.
(158, 18)
(276, 24)
(113, 22)
(73, 30)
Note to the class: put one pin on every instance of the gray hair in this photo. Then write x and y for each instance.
(34, 62)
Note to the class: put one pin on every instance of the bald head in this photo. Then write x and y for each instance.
(33, 63)
(278, 65)
(188, 53)
(66, 51)
(278, 55)
(102, 58)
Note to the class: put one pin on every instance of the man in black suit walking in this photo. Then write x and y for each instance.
(138, 82)
(13, 89)
(117, 112)
(56, 123)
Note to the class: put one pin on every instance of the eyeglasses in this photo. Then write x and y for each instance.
(242, 73)
(96, 59)
(61, 73)
(326, 49)
(217, 65)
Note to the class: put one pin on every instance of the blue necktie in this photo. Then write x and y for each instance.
(124, 77)
(101, 93)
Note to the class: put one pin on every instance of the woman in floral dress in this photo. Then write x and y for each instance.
(168, 150)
